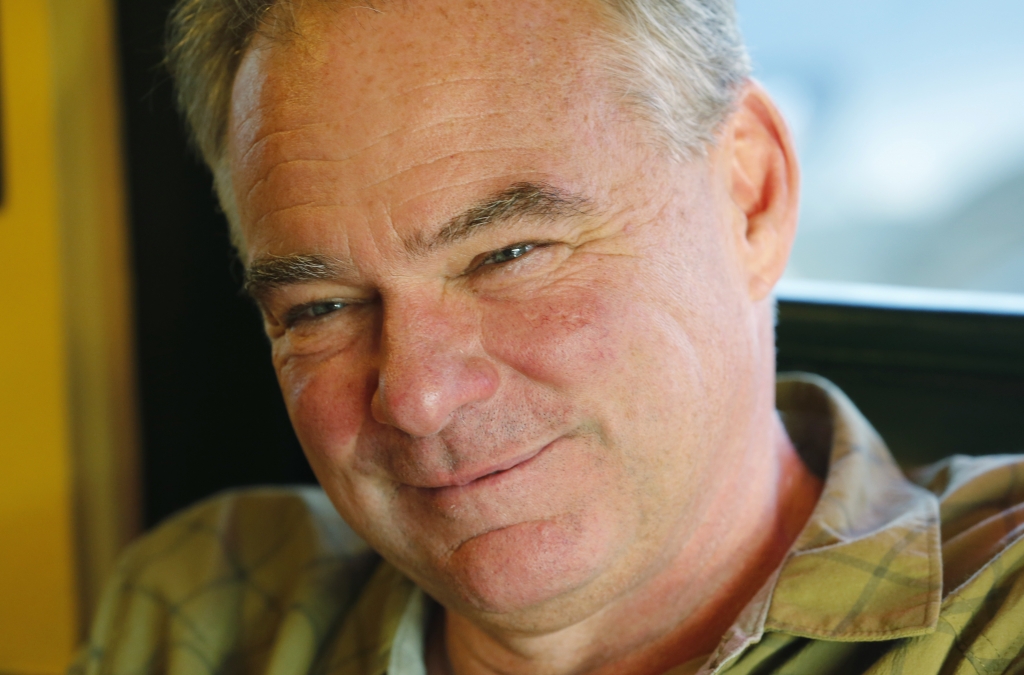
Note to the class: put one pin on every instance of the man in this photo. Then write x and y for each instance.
(515, 261)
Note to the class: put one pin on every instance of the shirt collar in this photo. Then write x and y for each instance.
(407, 650)
(868, 564)
(385, 626)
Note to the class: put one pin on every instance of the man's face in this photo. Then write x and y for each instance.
(521, 363)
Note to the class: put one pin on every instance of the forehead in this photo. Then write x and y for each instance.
(359, 100)
(373, 50)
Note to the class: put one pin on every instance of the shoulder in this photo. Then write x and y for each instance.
(981, 506)
(230, 578)
(964, 483)
(981, 501)
(287, 525)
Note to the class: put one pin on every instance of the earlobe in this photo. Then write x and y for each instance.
(764, 187)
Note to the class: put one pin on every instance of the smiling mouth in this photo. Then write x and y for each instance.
(493, 471)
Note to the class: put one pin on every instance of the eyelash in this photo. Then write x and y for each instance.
(308, 311)
(519, 251)
(516, 251)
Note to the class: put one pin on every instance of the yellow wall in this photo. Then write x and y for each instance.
(67, 470)
(97, 296)
(38, 612)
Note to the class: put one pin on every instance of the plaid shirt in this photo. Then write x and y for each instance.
(888, 576)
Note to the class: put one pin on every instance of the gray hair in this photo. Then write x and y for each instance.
(679, 63)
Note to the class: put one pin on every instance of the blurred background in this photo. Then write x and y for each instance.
(909, 121)
(134, 378)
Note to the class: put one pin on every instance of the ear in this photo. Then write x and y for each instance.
(763, 182)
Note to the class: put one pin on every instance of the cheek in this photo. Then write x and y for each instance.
(328, 401)
(628, 364)
(595, 341)
(559, 336)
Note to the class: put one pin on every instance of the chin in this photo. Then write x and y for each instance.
(527, 567)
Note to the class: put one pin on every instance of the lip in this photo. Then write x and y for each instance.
(478, 475)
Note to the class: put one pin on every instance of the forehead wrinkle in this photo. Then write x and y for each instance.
(312, 206)
(326, 203)
(443, 156)
(264, 138)
(364, 101)
(379, 139)
(426, 127)
(261, 139)
(422, 87)
(287, 64)
(321, 203)
(365, 104)
(280, 165)
(259, 168)
(384, 138)
(354, 153)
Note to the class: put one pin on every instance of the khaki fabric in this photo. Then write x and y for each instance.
(888, 576)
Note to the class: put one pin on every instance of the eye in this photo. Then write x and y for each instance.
(506, 254)
(311, 311)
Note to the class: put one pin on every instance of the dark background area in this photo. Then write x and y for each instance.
(933, 383)
(212, 416)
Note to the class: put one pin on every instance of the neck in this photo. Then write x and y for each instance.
(685, 608)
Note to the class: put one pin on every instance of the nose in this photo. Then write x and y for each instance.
(431, 365)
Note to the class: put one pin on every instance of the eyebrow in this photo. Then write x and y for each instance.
(518, 201)
(269, 272)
